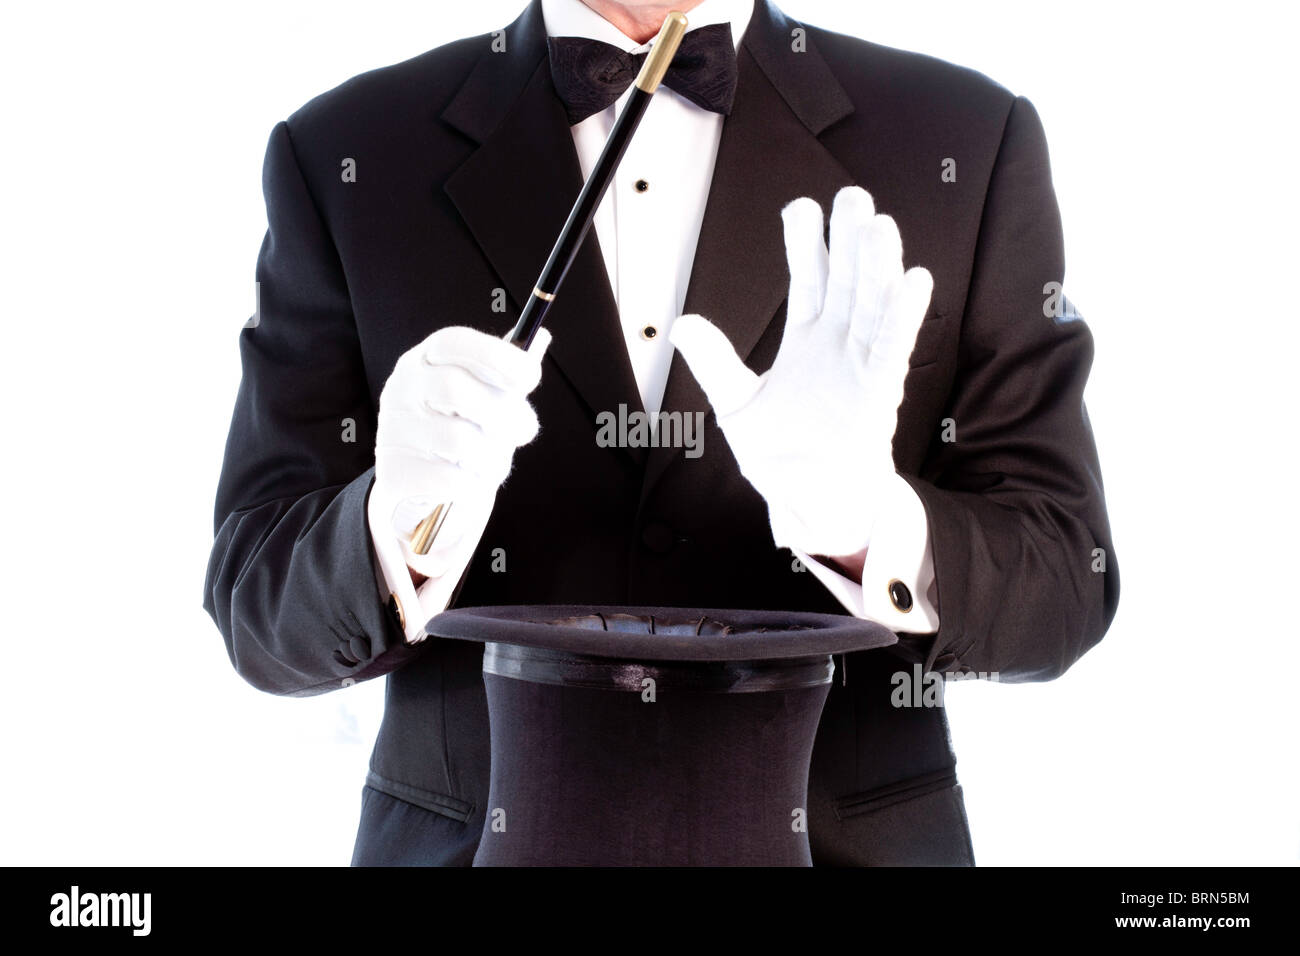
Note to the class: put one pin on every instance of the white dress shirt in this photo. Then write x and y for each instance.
(647, 227)
(647, 235)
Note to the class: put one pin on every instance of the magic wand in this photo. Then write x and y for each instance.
(575, 228)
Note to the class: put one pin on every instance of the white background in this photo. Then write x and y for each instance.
(132, 214)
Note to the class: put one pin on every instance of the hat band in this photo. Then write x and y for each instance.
(543, 666)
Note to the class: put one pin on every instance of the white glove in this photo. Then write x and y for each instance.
(814, 433)
(451, 415)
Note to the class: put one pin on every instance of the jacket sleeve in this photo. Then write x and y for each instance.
(292, 581)
(1024, 565)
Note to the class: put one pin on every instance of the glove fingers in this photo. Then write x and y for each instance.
(806, 257)
(880, 262)
(450, 438)
(502, 415)
(906, 303)
(727, 382)
(850, 215)
(486, 357)
(460, 441)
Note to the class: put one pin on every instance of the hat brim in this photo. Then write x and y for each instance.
(663, 633)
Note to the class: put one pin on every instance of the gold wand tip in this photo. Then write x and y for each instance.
(662, 52)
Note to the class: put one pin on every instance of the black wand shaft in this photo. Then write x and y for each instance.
(579, 221)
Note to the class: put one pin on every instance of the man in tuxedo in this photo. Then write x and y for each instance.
(908, 445)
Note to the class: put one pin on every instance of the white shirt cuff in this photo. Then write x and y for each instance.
(900, 553)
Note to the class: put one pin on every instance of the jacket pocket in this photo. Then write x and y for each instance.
(929, 340)
(880, 797)
(425, 799)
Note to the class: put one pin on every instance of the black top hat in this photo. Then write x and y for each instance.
(652, 736)
(664, 633)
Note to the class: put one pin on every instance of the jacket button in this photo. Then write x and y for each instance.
(359, 647)
(657, 537)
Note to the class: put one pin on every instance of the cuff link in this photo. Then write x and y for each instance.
(900, 596)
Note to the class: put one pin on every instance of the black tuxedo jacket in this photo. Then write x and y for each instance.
(465, 170)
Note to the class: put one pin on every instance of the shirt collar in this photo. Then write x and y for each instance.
(573, 18)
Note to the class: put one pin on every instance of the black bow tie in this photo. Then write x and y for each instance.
(589, 75)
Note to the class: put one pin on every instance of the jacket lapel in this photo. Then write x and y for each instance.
(769, 154)
(514, 194)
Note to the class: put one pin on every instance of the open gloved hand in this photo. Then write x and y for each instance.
(814, 433)
(451, 415)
